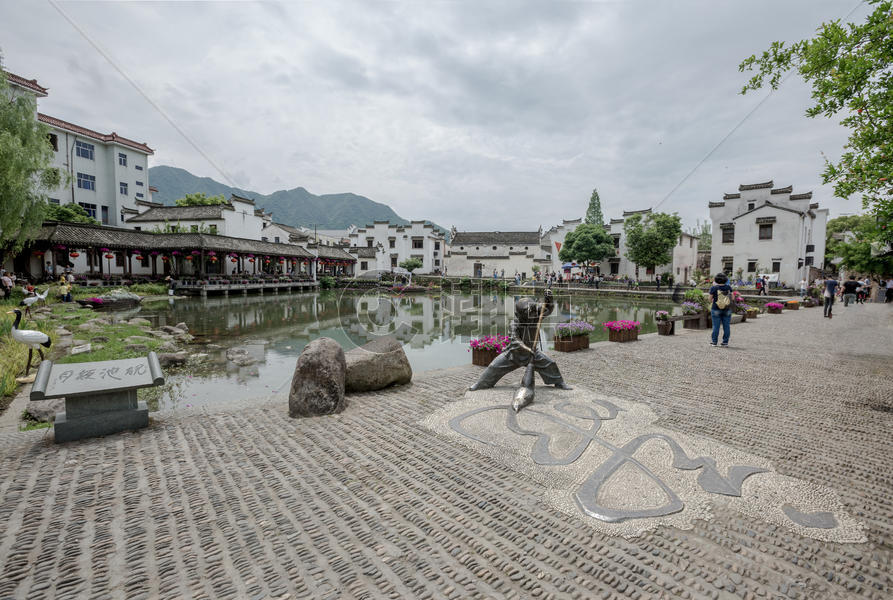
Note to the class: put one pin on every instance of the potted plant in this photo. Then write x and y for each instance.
(774, 308)
(622, 331)
(484, 350)
(693, 308)
(792, 305)
(664, 324)
(572, 336)
(752, 312)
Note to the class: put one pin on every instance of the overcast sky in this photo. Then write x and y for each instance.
(501, 117)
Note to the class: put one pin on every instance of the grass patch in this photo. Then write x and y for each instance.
(115, 347)
(13, 354)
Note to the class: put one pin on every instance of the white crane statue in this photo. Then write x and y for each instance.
(33, 339)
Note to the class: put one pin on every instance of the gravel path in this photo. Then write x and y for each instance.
(247, 503)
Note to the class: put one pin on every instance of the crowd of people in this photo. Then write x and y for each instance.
(852, 291)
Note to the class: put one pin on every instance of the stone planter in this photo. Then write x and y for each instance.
(571, 344)
(773, 311)
(700, 323)
(752, 314)
(792, 306)
(665, 327)
(743, 317)
(483, 357)
(624, 335)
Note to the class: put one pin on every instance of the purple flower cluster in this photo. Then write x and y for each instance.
(491, 342)
(621, 325)
(572, 328)
(691, 308)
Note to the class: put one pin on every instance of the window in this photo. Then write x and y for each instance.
(122, 159)
(53, 201)
(137, 167)
(677, 270)
(90, 208)
(139, 183)
(194, 229)
(276, 239)
(139, 194)
(83, 149)
(54, 141)
(369, 242)
(390, 243)
(808, 260)
(727, 267)
(393, 261)
(119, 259)
(617, 242)
(364, 266)
(615, 268)
(750, 205)
(766, 231)
(494, 247)
(418, 244)
(751, 266)
(122, 187)
(137, 228)
(436, 262)
(104, 211)
(263, 239)
(810, 247)
(776, 266)
(728, 236)
(212, 229)
(437, 245)
(691, 242)
(86, 182)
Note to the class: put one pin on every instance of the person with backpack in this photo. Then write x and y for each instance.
(721, 309)
(830, 289)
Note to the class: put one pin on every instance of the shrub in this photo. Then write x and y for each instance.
(326, 282)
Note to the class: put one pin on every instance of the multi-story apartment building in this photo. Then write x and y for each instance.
(392, 244)
(766, 230)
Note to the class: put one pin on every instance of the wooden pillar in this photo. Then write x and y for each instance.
(201, 267)
(53, 254)
(129, 264)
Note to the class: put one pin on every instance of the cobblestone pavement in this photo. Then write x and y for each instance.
(247, 503)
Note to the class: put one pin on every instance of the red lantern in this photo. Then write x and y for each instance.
(139, 257)
(251, 260)
(38, 253)
(188, 257)
(164, 258)
(213, 259)
(74, 254)
(234, 260)
(110, 255)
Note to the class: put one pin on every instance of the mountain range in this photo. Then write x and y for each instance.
(296, 207)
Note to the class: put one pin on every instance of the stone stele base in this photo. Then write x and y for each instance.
(102, 414)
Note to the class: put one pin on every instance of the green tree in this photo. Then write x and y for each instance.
(851, 244)
(587, 243)
(200, 199)
(849, 67)
(26, 172)
(69, 213)
(594, 212)
(411, 264)
(704, 233)
(650, 240)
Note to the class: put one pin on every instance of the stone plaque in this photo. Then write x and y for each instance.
(92, 378)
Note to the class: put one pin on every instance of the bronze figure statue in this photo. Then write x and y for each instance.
(525, 350)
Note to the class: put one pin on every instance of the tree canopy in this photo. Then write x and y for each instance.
(594, 214)
(69, 213)
(411, 264)
(26, 172)
(851, 244)
(849, 67)
(587, 243)
(200, 199)
(704, 233)
(650, 240)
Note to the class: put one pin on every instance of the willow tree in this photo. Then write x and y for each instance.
(26, 172)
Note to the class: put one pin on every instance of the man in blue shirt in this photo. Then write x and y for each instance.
(830, 289)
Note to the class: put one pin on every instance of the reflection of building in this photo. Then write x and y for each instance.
(384, 246)
(762, 229)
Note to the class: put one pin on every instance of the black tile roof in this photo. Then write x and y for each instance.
(755, 186)
(484, 238)
(181, 213)
(784, 190)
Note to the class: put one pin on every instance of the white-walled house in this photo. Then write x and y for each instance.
(236, 218)
(479, 253)
(393, 244)
(553, 240)
(763, 229)
(684, 261)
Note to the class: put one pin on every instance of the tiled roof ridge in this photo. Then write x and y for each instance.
(30, 84)
(731, 196)
(803, 196)
(103, 137)
(784, 190)
(755, 186)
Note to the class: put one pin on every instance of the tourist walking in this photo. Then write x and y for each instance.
(803, 288)
(888, 294)
(850, 288)
(6, 284)
(721, 309)
(657, 279)
(830, 289)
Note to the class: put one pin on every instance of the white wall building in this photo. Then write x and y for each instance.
(553, 240)
(684, 261)
(762, 229)
(395, 243)
(479, 253)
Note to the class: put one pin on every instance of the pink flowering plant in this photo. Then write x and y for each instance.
(567, 330)
(95, 300)
(661, 315)
(490, 342)
(777, 305)
(621, 325)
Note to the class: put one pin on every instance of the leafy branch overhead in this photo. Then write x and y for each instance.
(849, 68)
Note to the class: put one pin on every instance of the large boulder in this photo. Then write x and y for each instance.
(317, 387)
(377, 365)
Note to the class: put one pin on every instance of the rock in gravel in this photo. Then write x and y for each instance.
(168, 347)
(317, 387)
(170, 359)
(99, 339)
(45, 411)
(377, 365)
(170, 330)
(62, 331)
(183, 327)
(139, 321)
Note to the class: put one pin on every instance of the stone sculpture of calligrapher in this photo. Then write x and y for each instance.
(525, 347)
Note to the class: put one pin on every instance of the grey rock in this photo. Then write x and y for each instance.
(137, 348)
(139, 321)
(99, 339)
(137, 339)
(182, 326)
(39, 317)
(161, 335)
(240, 356)
(81, 349)
(169, 347)
(169, 359)
(317, 387)
(88, 326)
(170, 330)
(44, 411)
(62, 331)
(377, 365)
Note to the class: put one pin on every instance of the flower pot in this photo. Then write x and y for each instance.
(665, 327)
(482, 356)
(792, 306)
(702, 322)
(571, 344)
(623, 335)
(773, 311)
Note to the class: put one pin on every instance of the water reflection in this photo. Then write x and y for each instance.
(272, 330)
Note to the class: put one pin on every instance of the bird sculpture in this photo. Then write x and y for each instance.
(27, 302)
(33, 339)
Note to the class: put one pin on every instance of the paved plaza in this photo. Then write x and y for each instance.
(387, 500)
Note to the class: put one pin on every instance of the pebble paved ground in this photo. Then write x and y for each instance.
(247, 503)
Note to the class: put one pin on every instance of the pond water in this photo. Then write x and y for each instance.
(273, 329)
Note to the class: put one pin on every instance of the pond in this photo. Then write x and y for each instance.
(273, 329)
